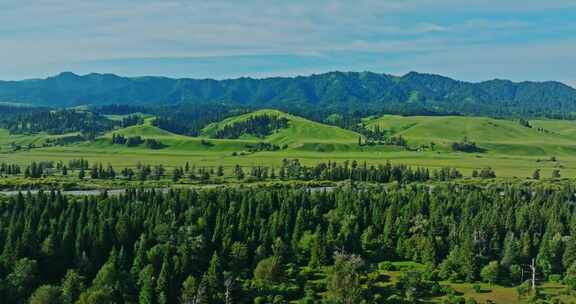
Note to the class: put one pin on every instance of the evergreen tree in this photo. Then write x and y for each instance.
(189, 292)
(214, 277)
(163, 283)
(72, 287)
(491, 272)
(220, 171)
(570, 278)
(23, 278)
(569, 256)
(344, 284)
(45, 294)
(511, 251)
(269, 270)
(536, 174)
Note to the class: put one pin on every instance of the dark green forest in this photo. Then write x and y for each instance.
(184, 119)
(279, 244)
(412, 93)
(259, 126)
(289, 170)
(288, 232)
(36, 120)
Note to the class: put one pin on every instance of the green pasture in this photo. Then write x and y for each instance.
(511, 149)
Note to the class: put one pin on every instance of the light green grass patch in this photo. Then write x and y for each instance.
(299, 131)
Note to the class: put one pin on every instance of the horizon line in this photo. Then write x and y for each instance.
(288, 77)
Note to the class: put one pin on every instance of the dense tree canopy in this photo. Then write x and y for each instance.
(412, 93)
(56, 122)
(253, 244)
(259, 126)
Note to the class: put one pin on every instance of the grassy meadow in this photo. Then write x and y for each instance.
(511, 149)
(386, 281)
(514, 151)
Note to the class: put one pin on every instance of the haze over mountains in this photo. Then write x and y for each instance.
(333, 89)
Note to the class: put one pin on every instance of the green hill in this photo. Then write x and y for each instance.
(410, 93)
(7, 139)
(300, 134)
(146, 130)
(174, 142)
(300, 131)
(511, 149)
(565, 128)
(495, 135)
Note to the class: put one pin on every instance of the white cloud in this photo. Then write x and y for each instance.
(40, 33)
(570, 82)
(429, 28)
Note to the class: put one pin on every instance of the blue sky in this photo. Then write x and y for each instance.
(469, 40)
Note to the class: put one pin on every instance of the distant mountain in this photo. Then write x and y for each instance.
(416, 91)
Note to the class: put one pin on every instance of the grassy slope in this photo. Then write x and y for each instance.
(504, 137)
(300, 132)
(6, 139)
(557, 127)
(175, 143)
(122, 116)
(494, 293)
(512, 150)
(24, 139)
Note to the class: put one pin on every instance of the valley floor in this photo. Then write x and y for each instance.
(510, 149)
(504, 165)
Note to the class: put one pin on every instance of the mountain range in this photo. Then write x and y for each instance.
(334, 89)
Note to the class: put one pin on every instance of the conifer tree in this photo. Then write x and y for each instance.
(72, 287)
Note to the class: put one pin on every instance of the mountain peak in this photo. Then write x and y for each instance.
(364, 90)
(67, 75)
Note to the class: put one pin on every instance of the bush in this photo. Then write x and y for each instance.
(431, 274)
(555, 278)
(570, 278)
(449, 291)
(386, 266)
(523, 290)
(477, 288)
(466, 146)
(487, 173)
(279, 299)
(516, 273)
(436, 289)
(372, 277)
(45, 294)
(471, 301)
(269, 270)
(394, 299)
(259, 300)
(153, 144)
(491, 272)
(134, 141)
(306, 300)
(206, 143)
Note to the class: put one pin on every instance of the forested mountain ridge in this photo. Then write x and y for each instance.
(413, 92)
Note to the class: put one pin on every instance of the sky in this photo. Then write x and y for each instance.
(469, 40)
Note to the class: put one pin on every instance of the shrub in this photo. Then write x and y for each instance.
(259, 300)
(269, 269)
(555, 278)
(471, 301)
(386, 266)
(491, 272)
(477, 288)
